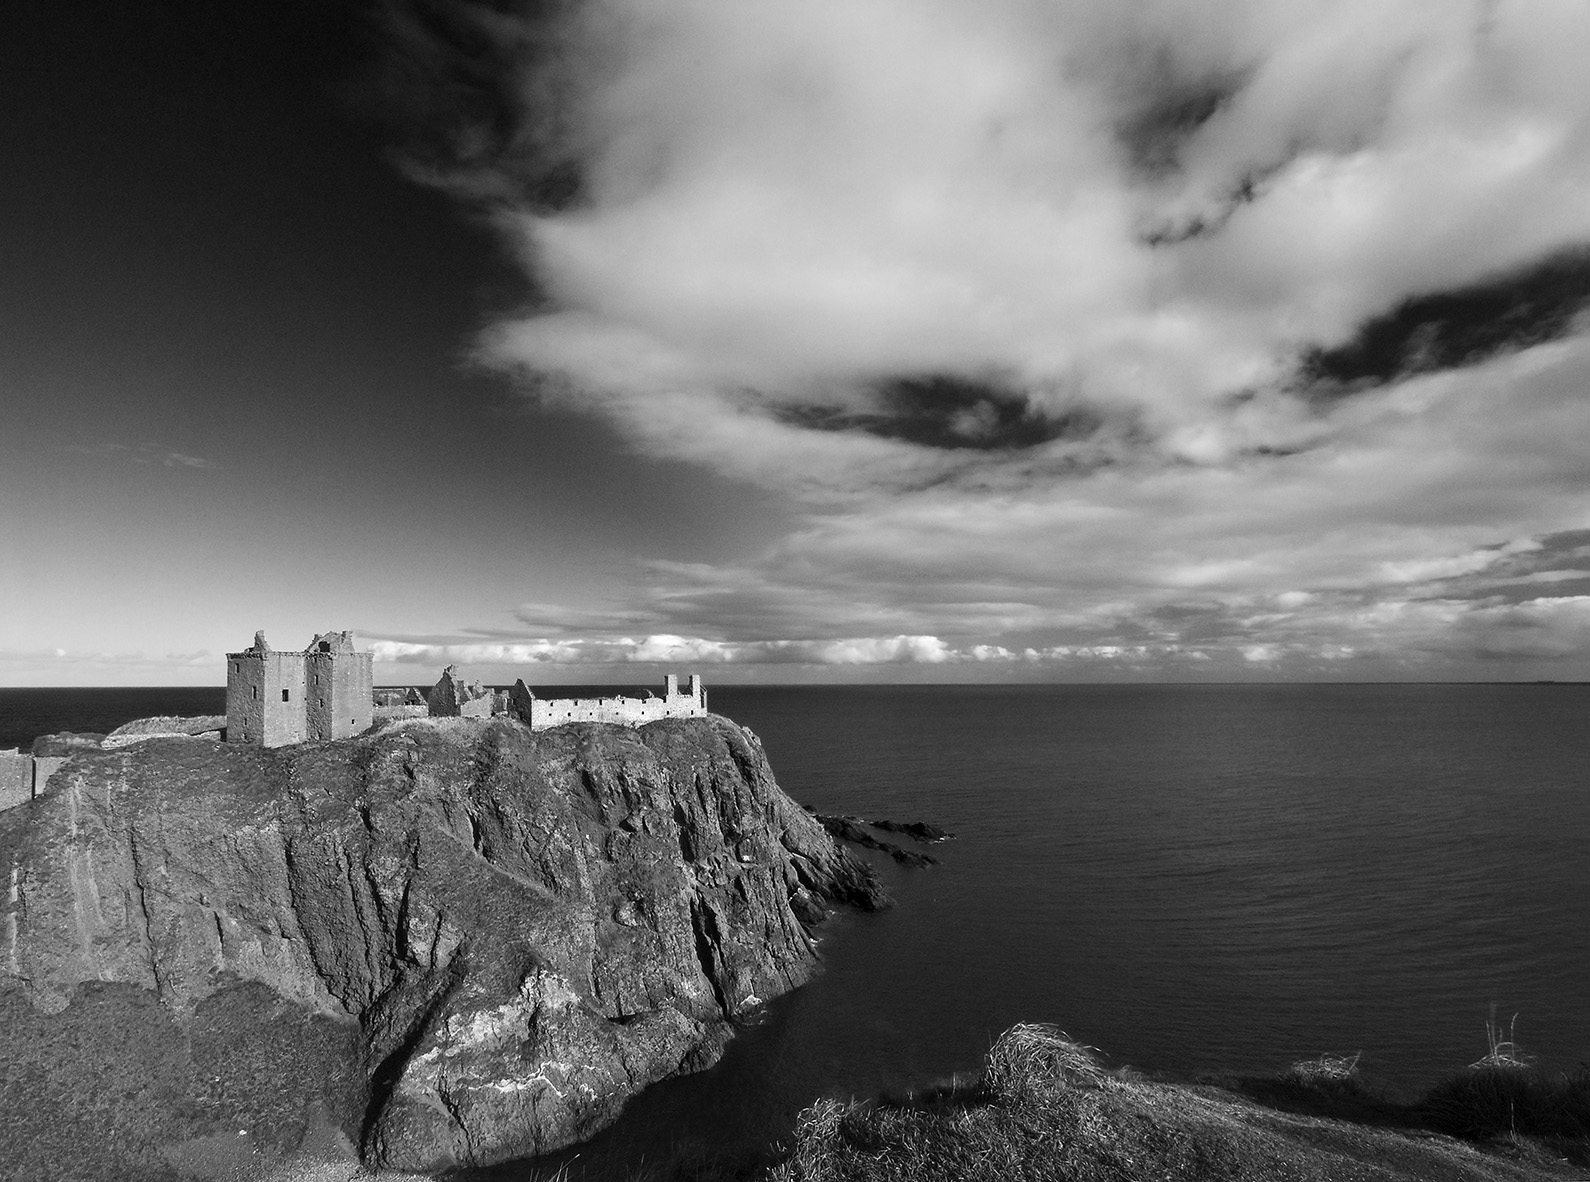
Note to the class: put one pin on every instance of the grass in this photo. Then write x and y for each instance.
(1033, 1062)
(1503, 1094)
(1045, 1108)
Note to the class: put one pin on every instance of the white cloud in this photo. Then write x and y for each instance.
(787, 204)
(1143, 211)
(668, 649)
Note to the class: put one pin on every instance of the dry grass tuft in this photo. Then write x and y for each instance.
(1502, 1094)
(1505, 1053)
(1032, 1061)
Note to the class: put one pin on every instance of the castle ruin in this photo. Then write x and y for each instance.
(277, 698)
(453, 697)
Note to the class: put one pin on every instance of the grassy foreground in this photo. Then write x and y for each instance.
(1043, 1108)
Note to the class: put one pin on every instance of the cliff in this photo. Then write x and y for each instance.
(452, 942)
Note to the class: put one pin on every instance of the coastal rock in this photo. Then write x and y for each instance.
(210, 726)
(853, 830)
(65, 744)
(923, 831)
(453, 941)
(170, 725)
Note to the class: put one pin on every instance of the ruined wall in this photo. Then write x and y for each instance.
(453, 697)
(265, 698)
(16, 778)
(340, 699)
(45, 766)
(22, 777)
(541, 713)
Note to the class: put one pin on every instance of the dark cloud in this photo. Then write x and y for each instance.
(949, 412)
(1159, 121)
(1451, 329)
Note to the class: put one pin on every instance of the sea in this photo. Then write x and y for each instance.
(1208, 881)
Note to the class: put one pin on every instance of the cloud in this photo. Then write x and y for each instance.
(1395, 543)
(668, 649)
(815, 220)
(1170, 333)
(148, 454)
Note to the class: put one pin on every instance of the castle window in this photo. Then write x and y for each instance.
(255, 690)
(285, 695)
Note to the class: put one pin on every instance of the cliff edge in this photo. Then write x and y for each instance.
(450, 942)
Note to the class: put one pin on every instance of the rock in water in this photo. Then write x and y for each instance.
(456, 940)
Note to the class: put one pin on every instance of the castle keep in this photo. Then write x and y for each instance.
(277, 698)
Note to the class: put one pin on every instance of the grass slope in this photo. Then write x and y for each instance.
(1044, 1109)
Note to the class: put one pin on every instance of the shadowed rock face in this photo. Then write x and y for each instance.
(512, 932)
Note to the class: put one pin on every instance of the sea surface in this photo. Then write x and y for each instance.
(1206, 879)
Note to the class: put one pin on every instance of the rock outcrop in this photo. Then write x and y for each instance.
(455, 941)
(854, 830)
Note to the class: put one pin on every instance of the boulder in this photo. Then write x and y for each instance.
(452, 941)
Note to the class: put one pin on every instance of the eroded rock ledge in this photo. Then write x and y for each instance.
(461, 942)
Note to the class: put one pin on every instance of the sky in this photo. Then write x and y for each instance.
(854, 340)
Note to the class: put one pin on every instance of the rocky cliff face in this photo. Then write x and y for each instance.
(455, 940)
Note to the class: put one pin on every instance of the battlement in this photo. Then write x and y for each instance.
(277, 698)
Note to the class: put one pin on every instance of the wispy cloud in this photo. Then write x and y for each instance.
(667, 649)
(151, 454)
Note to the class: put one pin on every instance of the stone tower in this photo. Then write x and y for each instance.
(264, 696)
(339, 695)
(277, 698)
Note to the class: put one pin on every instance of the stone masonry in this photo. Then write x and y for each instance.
(22, 777)
(541, 713)
(277, 698)
(16, 778)
(452, 697)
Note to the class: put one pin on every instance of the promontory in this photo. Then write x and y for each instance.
(445, 942)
